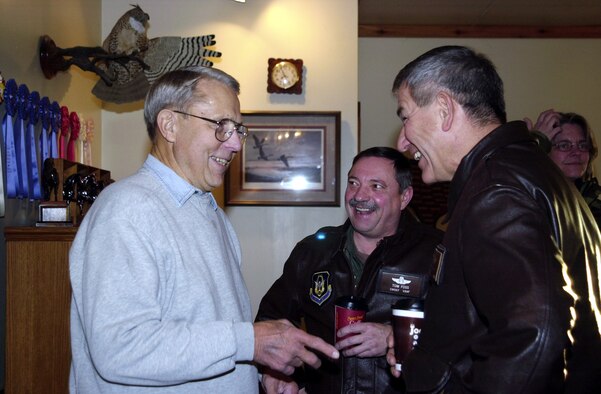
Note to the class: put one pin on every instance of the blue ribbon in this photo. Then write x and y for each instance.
(55, 123)
(44, 114)
(22, 99)
(34, 190)
(10, 99)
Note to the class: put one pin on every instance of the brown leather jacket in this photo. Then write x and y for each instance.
(520, 253)
(320, 258)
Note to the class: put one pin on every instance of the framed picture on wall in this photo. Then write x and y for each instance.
(290, 158)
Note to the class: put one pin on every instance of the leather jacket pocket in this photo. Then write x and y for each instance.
(423, 372)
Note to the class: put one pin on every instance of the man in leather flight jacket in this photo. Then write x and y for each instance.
(515, 299)
(335, 262)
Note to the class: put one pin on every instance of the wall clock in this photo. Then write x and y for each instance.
(285, 76)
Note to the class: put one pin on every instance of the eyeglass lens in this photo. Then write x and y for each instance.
(227, 127)
(566, 146)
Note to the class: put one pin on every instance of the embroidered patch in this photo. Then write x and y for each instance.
(438, 263)
(322, 289)
(408, 285)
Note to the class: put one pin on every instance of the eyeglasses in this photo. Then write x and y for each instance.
(225, 127)
(567, 146)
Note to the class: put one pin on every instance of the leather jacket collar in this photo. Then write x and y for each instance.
(509, 133)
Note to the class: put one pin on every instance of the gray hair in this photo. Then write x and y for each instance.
(469, 77)
(176, 90)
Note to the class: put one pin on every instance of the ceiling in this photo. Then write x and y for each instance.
(481, 12)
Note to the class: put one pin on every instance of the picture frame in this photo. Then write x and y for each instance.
(289, 159)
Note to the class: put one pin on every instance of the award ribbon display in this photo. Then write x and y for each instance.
(75, 126)
(10, 98)
(55, 122)
(19, 129)
(87, 142)
(64, 136)
(44, 115)
(34, 190)
(60, 135)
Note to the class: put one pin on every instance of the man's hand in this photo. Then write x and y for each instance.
(367, 340)
(282, 347)
(547, 123)
(278, 385)
(390, 356)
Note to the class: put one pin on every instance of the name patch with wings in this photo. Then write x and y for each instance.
(407, 285)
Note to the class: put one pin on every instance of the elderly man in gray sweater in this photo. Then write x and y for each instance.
(159, 303)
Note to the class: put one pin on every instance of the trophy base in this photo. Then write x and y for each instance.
(54, 213)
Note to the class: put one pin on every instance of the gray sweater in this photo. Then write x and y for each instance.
(159, 303)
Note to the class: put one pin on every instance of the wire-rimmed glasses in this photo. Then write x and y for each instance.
(567, 146)
(225, 127)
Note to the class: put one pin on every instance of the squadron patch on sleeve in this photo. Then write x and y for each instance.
(321, 289)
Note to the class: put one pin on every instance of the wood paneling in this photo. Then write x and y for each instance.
(38, 297)
(482, 31)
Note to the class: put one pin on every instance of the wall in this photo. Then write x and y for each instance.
(322, 33)
(537, 73)
(69, 23)
(73, 23)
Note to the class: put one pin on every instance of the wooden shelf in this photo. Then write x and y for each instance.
(38, 298)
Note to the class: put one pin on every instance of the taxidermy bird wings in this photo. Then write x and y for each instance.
(131, 81)
(128, 62)
(152, 57)
(127, 37)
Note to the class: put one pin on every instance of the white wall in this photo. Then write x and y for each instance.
(538, 74)
(322, 33)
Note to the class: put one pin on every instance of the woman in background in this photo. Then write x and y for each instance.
(569, 141)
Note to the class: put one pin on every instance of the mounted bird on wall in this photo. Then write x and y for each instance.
(128, 62)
